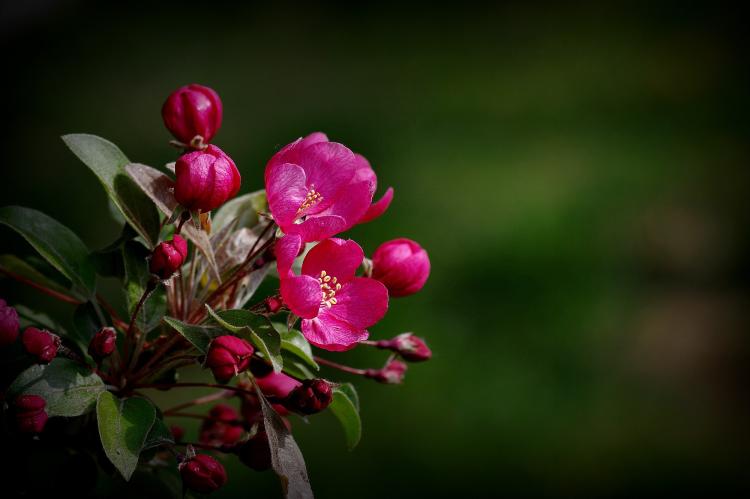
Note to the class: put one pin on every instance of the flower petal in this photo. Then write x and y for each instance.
(329, 167)
(286, 250)
(302, 295)
(329, 333)
(290, 153)
(362, 302)
(317, 228)
(378, 208)
(337, 257)
(352, 204)
(286, 189)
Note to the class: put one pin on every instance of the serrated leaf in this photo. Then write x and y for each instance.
(199, 336)
(160, 189)
(244, 209)
(69, 389)
(346, 411)
(123, 428)
(256, 329)
(56, 243)
(108, 164)
(286, 458)
(137, 277)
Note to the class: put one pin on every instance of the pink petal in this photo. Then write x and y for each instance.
(352, 203)
(329, 333)
(337, 257)
(286, 188)
(290, 153)
(329, 167)
(378, 208)
(302, 295)
(286, 250)
(277, 384)
(361, 302)
(317, 228)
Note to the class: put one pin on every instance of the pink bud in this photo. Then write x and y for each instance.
(228, 356)
(205, 179)
(223, 427)
(273, 304)
(277, 385)
(9, 324)
(177, 432)
(392, 374)
(408, 346)
(192, 110)
(402, 265)
(203, 474)
(40, 343)
(312, 396)
(256, 452)
(103, 343)
(168, 257)
(30, 414)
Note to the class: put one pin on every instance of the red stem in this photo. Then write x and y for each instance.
(50, 292)
(341, 367)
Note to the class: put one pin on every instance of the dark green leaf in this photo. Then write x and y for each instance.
(19, 269)
(137, 277)
(69, 389)
(56, 243)
(255, 328)
(30, 317)
(244, 209)
(286, 458)
(159, 435)
(86, 323)
(123, 428)
(296, 368)
(108, 164)
(200, 336)
(346, 411)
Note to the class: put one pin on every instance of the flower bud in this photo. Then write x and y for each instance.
(168, 257)
(40, 343)
(9, 324)
(177, 432)
(203, 474)
(273, 304)
(192, 110)
(402, 265)
(277, 385)
(408, 346)
(313, 395)
(256, 452)
(392, 374)
(223, 427)
(103, 343)
(205, 179)
(30, 414)
(228, 356)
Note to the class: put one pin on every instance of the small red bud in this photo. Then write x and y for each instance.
(392, 374)
(256, 452)
(273, 304)
(228, 356)
(40, 343)
(223, 427)
(168, 257)
(103, 343)
(203, 474)
(313, 395)
(192, 110)
(30, 414)
(9, 324)
(178, 432)
(408, 346)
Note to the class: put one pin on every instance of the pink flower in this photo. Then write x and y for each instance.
(192, 110)
(9, 324)
(318, 188)
(168, 257)
(367, 174)
(402, 265)
(205, 179)
(336, 307)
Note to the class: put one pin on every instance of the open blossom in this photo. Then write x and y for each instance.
(402, 265)
(192, 110)
(205, 179)
(9, 324)
(318, 188)
(336, 307)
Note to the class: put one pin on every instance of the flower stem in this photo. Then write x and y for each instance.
(199, 401)
(195, 385)
(341, 367)
(128, 361)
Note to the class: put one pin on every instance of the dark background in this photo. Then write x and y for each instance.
(578, 174)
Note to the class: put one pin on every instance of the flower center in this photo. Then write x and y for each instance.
(313, 197)
(328, 288)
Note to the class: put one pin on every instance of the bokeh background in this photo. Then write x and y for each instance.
(578, 174)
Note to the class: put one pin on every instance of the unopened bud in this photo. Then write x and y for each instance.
(392, 374)
(203, 474)
(103, 343)
(9, 324)
(313, 395)
(40, 343)
(30, 414)
(228, 356)
(222, 428)
(168, 257)
(408, 346)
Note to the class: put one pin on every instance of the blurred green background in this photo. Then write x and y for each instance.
(578, 175)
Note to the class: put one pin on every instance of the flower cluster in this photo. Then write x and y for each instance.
(190, 275)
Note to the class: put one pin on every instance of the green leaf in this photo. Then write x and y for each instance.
(69, 389)
(19, 269)
(294, 342)
(55, 242)
(199, 336)
(123, 428)
(286, 458)
(137, 277)
(296, 368)
(351, 392)
(158, 436)
(255, 328)
(108, 164)
(86, 323)
(243, 208)
(30, 317)
(347, 412)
